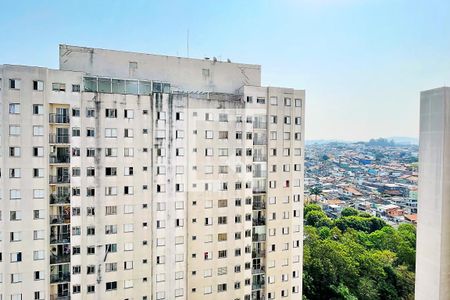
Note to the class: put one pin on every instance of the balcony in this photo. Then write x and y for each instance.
(259, 158)
(58, 119)
(257, 254)
(257, 285)
(61, 277)
(59, 198)
(63, 238)
(59, 219)
(258, 269)
(58, 138)
(60, 297)
(59, 159)
(258, 237)
(59, 179)
(259, 221)
(258, 205)
(259, 189)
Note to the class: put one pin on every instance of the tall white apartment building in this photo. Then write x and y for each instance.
(433, 226)
(146, 177)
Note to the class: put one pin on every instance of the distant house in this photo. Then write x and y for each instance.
(411, 218)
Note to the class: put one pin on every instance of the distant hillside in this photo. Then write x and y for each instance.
(400, 140)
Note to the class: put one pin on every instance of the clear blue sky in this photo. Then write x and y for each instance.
(362, 62)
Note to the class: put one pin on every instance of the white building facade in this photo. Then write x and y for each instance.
(137, 176)
(433, 219)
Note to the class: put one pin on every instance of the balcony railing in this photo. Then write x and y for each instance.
(259, 158)
(257, 205)
(258, 270)
(60, 238)
(257, 237)
(259, 189)
(58, 179)
(59, 198)
(259, 221)
(61, 277)
(59, 159)
(58, 138)
(59, 219)
(260, 253)
(257, 285)
(58, 119)
(60, 296)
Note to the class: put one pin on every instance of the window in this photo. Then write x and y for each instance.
(16, 277)
(111, 152)
(223, 135)
(38, 255)
(287, 101)
(38, 130)
(128, 113)
(75, 88)
(111, 286)
(128, 152)
(128, 133)
(273, 100)
(76, 131)
(16, 257)
(110, 171)
(223, 117)
(14, 84)
(208, 134)
(38, 85)
(90, 132)
(14, 194)
(58, 87)
(222, 287)
(90, 113)
(298, 102)
(14, 173)
(75, 112)
(38, 151)
(38, 109)
(14, 108)
(179, 134)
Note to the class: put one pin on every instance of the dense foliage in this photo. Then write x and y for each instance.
(357, 256)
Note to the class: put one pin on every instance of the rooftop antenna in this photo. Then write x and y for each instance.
(187, 43)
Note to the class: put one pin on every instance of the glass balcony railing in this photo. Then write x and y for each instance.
(52, 179)
(258, 269)
(63, 238)
(258, 237)
(258, 205)
(60, 219)
(58, 119)
(60, 277)
(59, 159)
(59, 198)
(61, 296)
(58, 138)
(259, 221)
(258, 253)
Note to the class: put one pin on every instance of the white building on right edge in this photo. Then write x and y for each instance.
(433, 229)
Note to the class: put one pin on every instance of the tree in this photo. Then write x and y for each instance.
(355, 257)
(315, 191)
(349, 211)
(310, 207)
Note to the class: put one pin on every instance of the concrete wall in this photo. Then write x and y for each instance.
(433, 230)
(183, 73)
